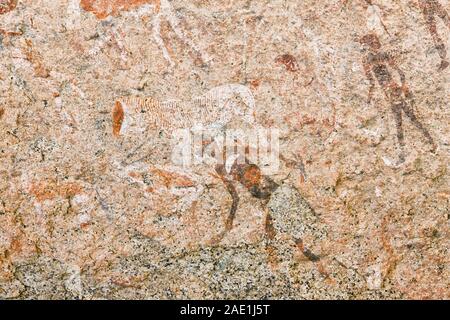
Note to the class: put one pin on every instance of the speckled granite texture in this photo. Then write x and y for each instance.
(93, 206)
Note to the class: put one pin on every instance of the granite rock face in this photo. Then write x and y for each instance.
(97, 203)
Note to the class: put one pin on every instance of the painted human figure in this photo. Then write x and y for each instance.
(149, 11)
(431, 9)
(378, 66)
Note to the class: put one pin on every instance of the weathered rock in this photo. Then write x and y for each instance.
(98, 201)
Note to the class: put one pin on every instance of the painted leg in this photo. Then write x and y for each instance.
(410, 114)
(397, 111)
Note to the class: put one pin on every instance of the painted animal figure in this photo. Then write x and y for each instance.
(277, 223)
(134, 118)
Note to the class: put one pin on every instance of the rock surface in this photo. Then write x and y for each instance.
(93, 205)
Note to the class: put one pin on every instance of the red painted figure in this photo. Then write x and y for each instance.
(379, 64)
(431, 9)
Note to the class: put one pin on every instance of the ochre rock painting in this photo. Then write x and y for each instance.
(169, 149)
